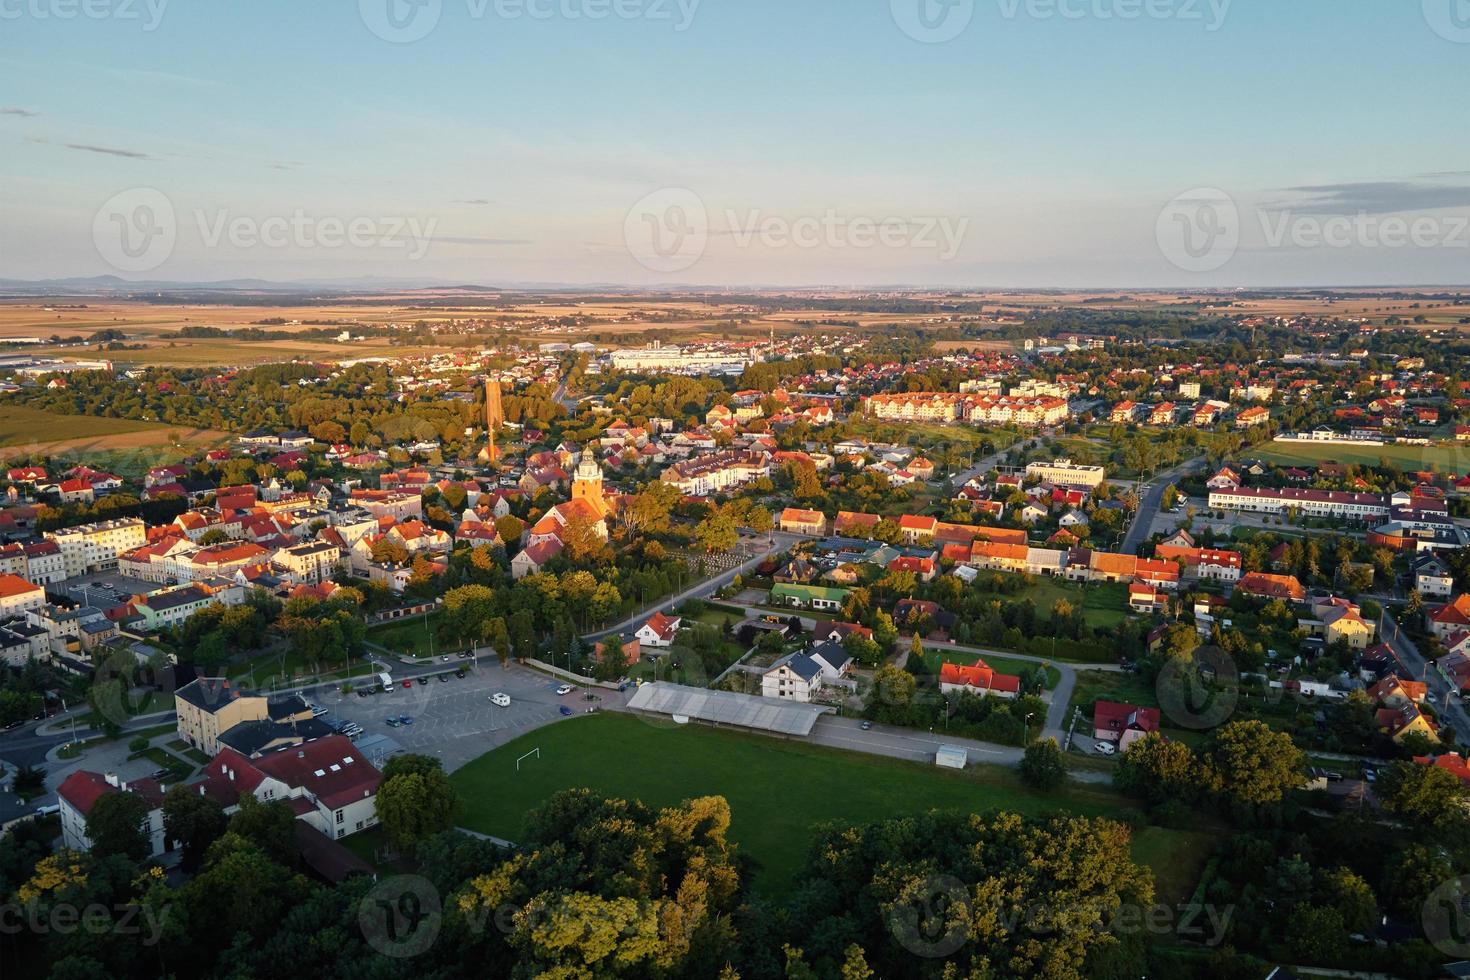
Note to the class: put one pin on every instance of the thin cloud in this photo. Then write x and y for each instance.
(475, 201)
(1375, 197)
(284, 165)
(11, 110)
(110, 151)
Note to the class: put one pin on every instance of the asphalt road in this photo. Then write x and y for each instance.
(1150, 504)
(1441, 693)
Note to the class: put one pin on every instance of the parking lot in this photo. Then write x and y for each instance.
(454, 720)
(104, 590)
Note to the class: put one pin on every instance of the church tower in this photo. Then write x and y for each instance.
(587, 483)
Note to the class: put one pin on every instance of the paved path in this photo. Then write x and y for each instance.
(701, 590)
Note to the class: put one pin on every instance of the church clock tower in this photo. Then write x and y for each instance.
(587, 483)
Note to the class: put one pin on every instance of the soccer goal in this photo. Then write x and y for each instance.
(536, 752)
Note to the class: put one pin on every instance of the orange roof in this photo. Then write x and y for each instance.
(14, 585)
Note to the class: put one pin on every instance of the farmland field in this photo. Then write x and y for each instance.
(777, 789)
(20, 426)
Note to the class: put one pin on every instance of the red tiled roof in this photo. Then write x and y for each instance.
(979, 676)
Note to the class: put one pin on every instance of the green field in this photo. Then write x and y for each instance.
(19, 426)
(1447, 458)
(778, 790)
(1103, 605)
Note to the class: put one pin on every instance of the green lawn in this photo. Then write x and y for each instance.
(410, 636)
(1447, 457)
(1103, 605)
(778, 790)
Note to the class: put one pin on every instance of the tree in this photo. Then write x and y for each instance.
(894, 686)
(1426, 795)
(115, 825)
(1042, 767)
(717, 532)
(1252, 764)
(1157, 769)
(415, 802)
(194, 820)
(614, 661)
(269, 826)
(509, 529)
(1346, 892)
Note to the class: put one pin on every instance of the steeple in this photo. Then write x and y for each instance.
(587, 483)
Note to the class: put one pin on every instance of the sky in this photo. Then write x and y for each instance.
(965, 143)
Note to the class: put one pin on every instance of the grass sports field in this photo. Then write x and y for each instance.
(1446, 457)
(778, 790)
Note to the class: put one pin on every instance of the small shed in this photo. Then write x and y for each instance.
(951, 757)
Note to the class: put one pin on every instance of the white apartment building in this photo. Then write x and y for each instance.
(1066, 473)
(95, 547)
(1312, 503)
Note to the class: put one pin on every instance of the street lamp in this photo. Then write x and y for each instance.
(1028, 726)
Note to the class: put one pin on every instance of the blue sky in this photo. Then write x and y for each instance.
(506, 147)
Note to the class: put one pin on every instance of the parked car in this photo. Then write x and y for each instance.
(1104, 748)
(444, 659)
(443, 678)
(500, 699)
(566, 711)
(564, 689)
(866, 726)
(461, 673)
(365, 693)
(405, 719)
(393, 723)
(407, 682)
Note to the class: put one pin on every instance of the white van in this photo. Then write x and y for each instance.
(386, 681)
(48, 809)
